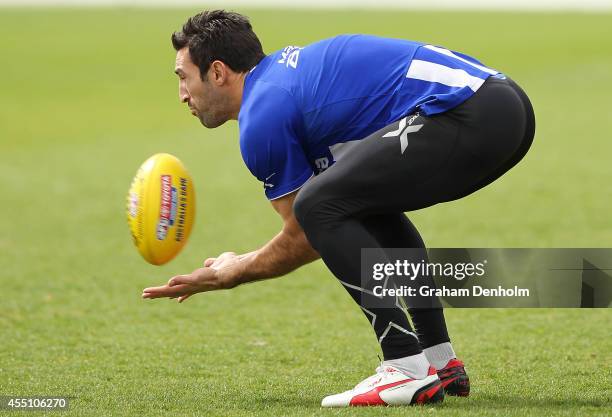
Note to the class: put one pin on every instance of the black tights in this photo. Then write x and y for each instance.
(359, 201)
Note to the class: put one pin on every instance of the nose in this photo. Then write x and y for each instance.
(184, 97)
(183, 94)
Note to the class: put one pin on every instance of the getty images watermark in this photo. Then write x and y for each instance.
(458, 271)
(420, 278)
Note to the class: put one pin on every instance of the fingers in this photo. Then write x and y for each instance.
(183, 286)
(184, 297)
(167, 291)
(180, 279)
(208, 262)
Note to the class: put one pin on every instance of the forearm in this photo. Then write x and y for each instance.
(286, 252)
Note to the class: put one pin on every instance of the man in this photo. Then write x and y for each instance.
(346, 135)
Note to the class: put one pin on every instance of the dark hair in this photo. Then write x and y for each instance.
(219, 35)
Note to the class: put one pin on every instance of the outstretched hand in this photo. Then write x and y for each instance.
(208, 278)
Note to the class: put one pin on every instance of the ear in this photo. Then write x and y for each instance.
(218, 72)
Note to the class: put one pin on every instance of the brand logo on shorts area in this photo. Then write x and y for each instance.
(167, 207)
(403, 130)
(322, 164)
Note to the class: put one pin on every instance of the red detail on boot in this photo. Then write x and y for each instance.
(452, 363)
(372, 397)
(424, 396)
(448, 381)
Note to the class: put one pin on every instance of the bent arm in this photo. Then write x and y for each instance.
(287, 251)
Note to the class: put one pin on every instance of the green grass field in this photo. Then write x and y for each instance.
(87, 95)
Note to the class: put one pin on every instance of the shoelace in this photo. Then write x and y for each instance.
(379, 375)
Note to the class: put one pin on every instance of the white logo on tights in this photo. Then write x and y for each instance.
(402, 131)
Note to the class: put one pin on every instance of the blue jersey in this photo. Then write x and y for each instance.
(301, 107)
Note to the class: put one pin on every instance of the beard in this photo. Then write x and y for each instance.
(209, 120)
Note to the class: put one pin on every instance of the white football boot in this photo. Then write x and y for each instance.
(389, 386)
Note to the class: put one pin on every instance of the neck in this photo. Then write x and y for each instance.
(237, 95)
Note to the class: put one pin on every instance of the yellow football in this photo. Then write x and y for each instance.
(161, 208)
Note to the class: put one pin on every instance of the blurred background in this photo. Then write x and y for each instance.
(547, 5)
(88, 93)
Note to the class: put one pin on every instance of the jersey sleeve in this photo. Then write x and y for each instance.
(270, 130)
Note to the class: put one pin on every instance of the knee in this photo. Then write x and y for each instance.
(304, 202)
(316, 207)
(312, 211)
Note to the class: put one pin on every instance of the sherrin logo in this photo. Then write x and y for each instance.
(167, 209)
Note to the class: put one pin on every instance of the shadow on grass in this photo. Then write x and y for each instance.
(509, 401)
(474, 402)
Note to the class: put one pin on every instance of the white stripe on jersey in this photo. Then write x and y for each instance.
(452, 55)
(436, 73)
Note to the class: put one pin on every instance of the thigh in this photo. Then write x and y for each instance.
(420, 161)
(383, 172)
